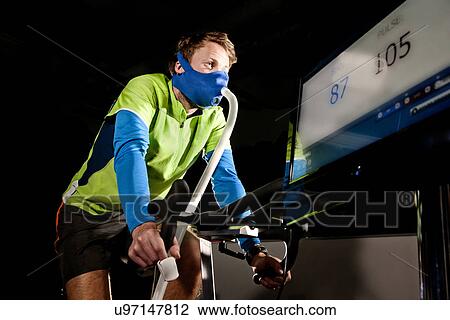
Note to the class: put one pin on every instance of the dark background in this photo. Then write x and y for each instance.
(53, 102)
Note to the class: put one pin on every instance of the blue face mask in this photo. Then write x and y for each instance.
(201, 88)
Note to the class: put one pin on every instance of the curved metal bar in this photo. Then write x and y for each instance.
(204, 179)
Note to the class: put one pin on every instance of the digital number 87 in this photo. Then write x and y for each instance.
(335, 90)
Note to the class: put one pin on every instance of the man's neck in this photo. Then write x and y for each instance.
(186, 104)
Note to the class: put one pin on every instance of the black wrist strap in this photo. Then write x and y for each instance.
(255, 250)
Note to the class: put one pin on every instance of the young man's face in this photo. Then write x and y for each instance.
(209, 58)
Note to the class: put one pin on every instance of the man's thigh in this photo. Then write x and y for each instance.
(93, 285)
(87, 248)
(188, 284)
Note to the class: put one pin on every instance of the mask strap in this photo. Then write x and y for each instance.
(184, 63)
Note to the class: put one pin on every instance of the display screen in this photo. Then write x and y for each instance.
(395, 75)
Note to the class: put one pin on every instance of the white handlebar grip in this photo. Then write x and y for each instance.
(168, 268)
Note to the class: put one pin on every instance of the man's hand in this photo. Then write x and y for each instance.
(147, 247)
(271, 270)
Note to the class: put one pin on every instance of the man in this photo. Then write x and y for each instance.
(151, 136)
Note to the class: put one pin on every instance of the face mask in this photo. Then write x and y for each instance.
(201, 88)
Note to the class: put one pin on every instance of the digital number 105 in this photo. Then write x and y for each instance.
(391, 53)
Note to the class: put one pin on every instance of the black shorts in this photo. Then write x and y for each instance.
(87, 242)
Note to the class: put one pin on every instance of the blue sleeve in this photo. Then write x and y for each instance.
(228, 188)
(130, 146)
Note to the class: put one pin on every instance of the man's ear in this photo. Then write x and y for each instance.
(178, 68)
